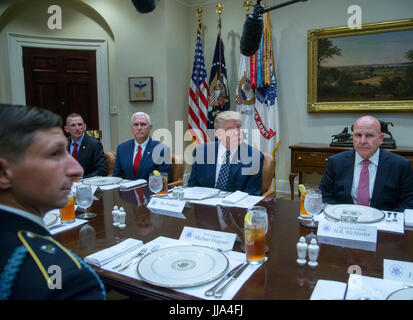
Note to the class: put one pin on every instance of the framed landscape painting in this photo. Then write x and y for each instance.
(361, 70)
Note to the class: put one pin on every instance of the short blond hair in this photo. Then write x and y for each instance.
(226, 115)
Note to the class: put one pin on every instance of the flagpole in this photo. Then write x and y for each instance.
(219, 8)
(199, 24)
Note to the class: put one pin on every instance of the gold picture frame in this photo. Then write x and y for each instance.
(364, 81)
(140, 89)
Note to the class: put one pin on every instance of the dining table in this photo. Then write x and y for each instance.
(279, 278)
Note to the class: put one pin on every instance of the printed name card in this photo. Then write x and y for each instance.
(357, 236)
(398, 270)
(208, 238)
(169, 207)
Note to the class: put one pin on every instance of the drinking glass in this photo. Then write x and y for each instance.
(155, 183)
(255, 226)
(67, 214)
(313, 204)
(164, 189)
(84, 199)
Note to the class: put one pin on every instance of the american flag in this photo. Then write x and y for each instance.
(198, 93)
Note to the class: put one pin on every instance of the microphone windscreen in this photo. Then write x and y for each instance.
(144, 6)
(252, 32)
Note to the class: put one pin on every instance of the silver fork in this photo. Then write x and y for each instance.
(134, 261)
(123, 263)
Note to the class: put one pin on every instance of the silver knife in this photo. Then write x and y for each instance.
(218, 294)
(210, 292)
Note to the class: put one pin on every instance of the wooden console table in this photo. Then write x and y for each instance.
(312, 158)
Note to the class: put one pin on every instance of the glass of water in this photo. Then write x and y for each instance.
(155, 183)
(313, 204)
(84, 199)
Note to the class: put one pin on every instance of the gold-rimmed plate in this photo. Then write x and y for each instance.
(50, 218)
(365, 214)
(182, 266)
(401, 294)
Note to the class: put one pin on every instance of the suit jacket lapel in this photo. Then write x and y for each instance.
(146, 156)
(348, 167)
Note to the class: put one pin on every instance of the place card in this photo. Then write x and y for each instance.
(166, 206)
(398, 270)
(209, 238)
(352, 235)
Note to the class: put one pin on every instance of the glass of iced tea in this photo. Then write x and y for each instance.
(164, 183)
(255, 227)
(67, 214)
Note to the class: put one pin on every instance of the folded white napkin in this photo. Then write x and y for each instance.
(235, 197)
(199, 193)
(105, 256)
(68, 226)
(408, 218)
(329, 290)
(133, 183)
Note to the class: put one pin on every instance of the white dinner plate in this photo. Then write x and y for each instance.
(402, 294)
(50, 218)
(102, 181)
(182, 266)
(365, 214)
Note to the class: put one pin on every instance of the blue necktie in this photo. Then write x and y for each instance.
(224, 173)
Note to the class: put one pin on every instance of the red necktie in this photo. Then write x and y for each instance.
(363, 194)
(75, 151)
(137, 160)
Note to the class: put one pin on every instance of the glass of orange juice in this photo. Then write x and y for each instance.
(67, 214)
(303, 213)
(255, 227)
(164, 183)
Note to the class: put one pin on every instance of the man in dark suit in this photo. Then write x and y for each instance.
(368, 175)
(138, 157)
(241, 165)
(36, 175)
(85, 149)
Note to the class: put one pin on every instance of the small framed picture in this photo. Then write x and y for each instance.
(140, 89)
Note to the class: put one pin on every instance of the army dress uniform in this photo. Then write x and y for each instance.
(33, 265)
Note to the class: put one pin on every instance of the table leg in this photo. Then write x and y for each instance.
(291, 178)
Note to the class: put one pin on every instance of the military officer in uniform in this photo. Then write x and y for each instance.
(36, 175)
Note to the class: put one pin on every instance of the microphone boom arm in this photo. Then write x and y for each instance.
(282, 5)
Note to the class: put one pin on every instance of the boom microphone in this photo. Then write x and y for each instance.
(252, 32)
(144, 6)
(253, 26)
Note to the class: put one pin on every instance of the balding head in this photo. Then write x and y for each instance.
(367, 136)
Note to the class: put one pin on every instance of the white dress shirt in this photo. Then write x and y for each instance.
(358, 165)
(221, 158)
(135, 152)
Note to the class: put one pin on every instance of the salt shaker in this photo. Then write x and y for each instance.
(301, 251)
(115, 216)
(313, 250)
(121, 218)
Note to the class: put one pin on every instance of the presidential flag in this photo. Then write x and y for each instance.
(218, 84)
(259, 108)
(198, 93)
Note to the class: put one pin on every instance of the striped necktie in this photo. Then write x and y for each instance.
(223, 176)
(363, 193)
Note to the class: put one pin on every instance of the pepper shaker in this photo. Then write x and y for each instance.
(313, 250)
(122, 218)
(115, 216)
(301, 251)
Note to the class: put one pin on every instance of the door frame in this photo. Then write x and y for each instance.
(18, 93)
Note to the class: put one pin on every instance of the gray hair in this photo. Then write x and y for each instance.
(224, 116)
(18, 127)
(139, 113)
